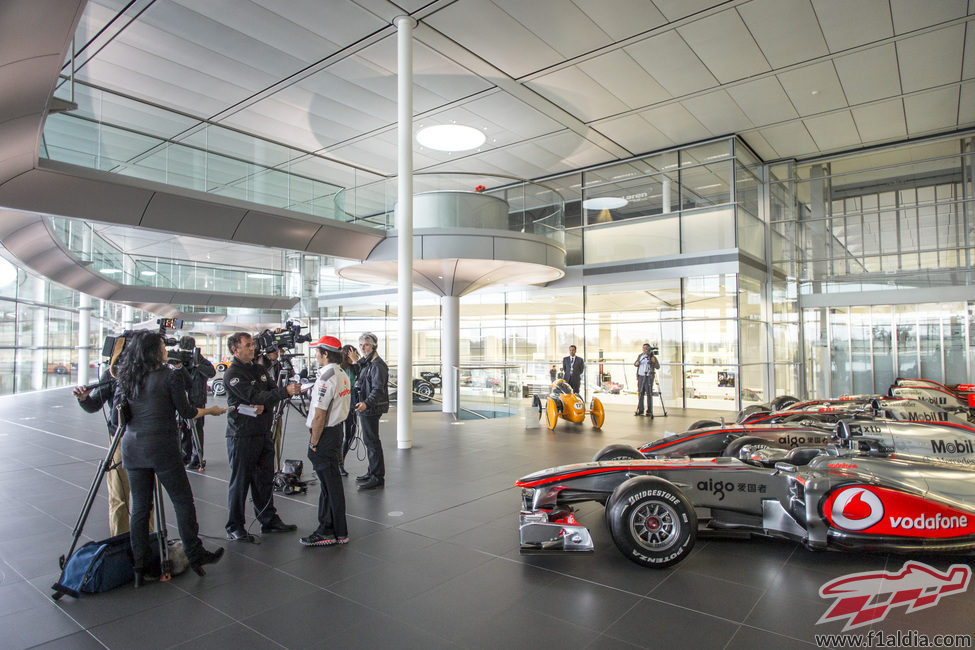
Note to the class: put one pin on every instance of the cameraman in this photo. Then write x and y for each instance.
(91, 399)
(196, 369)
(647, 366)
(250, 447)
(269, 360)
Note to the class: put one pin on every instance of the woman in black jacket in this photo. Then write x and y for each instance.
(150, 448)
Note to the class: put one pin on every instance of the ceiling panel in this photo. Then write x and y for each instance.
(574, 151)
(881, 121)
(760, 145)
(579, 94)
(669, 60)
(786, 30)
(911, 14)
(565, 27)
(930, 59)
(634, 133)
(622, 18)
(723, 43)
(833, 131)
(504, 114)
(675, 122)
(814, 88)
(763, 101)
(968, 67)
(966, 105)
(869, 74)
(848, 24)
(676, 9)
(494, 36)
(718, 112)
(625, 79)
(931, 110)
(789, 139)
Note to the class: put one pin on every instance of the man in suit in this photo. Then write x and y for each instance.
(572, 367)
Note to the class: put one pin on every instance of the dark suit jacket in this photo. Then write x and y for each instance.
(572, 370)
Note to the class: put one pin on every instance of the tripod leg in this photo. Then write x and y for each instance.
(164, 563)
(79, 526)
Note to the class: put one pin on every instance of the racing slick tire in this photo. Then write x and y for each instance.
(618, 452)
(218, 388)
(651, 521)
(734, 447)
(752, 412)
(783, 402)
(597, 414)
(222, 366)
(551, 413)
(422, 391)
(700, 424)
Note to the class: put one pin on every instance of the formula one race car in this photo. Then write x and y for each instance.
(563, 402)
(863, 495)
(891, 417)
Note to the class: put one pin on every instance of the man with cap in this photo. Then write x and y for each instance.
(373, 391)
(329, 407)
(251, 396)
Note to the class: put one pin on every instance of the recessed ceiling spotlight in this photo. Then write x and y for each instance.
(450, 137)
(813, 92)
(604, 203)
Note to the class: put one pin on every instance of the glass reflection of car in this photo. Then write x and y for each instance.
(563, 402)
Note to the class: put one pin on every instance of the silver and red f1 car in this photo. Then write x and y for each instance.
(872, 493)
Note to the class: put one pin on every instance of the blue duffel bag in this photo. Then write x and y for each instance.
(97, 567)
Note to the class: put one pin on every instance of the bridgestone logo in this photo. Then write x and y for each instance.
(937, 522)
(652, 493)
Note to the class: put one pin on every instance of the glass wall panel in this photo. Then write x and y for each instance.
(818, 366)
(883, 347)
(956, 370)
(652, 237)
(861, 359)
(712, 296)
(707, 230)
(906, 319)
(839, 340)
(929, 341)
(705, 186)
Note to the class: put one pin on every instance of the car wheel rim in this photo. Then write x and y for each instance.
(654, 525)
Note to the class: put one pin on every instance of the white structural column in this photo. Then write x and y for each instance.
(450, 344)
(39, 340)
(404, 227)
(84, 332)
(665, 195)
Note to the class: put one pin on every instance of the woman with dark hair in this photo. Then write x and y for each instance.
(150, 448)
(350, 364)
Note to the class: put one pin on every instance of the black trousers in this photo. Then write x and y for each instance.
(573, 381)
(251, 468)
(331, 500)
(186, 439)
(374, 446)
(142, 483)
(644, 386)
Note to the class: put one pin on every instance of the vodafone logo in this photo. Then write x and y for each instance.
(856, 508)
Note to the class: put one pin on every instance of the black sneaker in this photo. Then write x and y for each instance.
(317, 539)
(362, 479)
(240, 536)
(372, 484)
(278, 526)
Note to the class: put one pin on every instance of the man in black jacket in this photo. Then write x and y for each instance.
(195, 378)
(373, 390)
(572, 367)
(250, 448)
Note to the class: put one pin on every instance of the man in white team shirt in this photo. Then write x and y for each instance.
(329, 407)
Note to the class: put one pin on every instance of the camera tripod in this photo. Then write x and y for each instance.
(193, 428)
(658, 392)
(107, 465)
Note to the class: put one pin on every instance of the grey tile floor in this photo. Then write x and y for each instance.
(433, 560)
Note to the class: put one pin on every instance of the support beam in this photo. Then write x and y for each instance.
(450, 351)
(84, 333)
(404, 227)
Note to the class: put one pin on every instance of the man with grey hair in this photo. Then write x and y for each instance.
(373, 391)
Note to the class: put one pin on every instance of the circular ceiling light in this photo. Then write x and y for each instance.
(450, 137)
(260, 276)
(604, 203)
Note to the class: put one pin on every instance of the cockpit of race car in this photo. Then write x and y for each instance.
(563, 402)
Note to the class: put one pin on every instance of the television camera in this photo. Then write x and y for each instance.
(283, 339)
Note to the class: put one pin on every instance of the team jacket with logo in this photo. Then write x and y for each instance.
(248, 383)
(331, 389)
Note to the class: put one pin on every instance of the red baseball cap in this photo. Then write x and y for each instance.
(329, 343)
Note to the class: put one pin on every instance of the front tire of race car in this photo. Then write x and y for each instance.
(700, 424)
(750, 413)
(617, 452)
(783, 402)
(734, 447)
(651, 521)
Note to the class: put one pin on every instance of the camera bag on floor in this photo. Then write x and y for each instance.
(288, 483)
(292, 466)
(101, 566)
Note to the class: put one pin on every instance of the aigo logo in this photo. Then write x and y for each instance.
(855, 508)
(867, 597)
